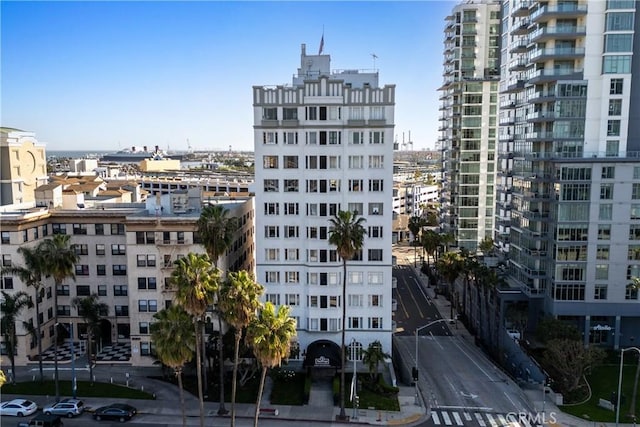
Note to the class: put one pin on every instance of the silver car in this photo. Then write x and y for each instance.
(66, 408)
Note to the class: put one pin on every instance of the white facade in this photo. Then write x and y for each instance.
(322, 145)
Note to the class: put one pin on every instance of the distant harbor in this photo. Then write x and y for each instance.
(77, 154)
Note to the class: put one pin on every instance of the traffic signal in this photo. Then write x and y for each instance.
(414, 373)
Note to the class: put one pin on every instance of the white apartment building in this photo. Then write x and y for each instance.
(324, 144)
(569, 170)
(469, 121)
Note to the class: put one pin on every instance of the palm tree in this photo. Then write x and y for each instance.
(216, 230)
(239, 300)
(59, 260)
(91, 310)
(450, 267)
(372, 357)
(11, 306)
(196, 281)
(270, 334)
(31, 274)
(347, 235)
(174, 341)
(635, 285)
(415, 226)
(486, 246)
(430, 243)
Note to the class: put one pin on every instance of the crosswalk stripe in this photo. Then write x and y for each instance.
(525, 421)
(436, 420)
(480, 420)
(502, 419)
(458, 419)
(467, 416)
(446, 418)
(491, 420)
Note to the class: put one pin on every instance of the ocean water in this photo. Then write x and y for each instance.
(78, 154)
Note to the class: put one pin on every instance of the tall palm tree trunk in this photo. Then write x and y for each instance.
(38, 340)
(55, 340)
(221, 409)
(238, 336)
(344, 313)
(199, 370)
(205, 380)
(90, 355)
(257, 414)
(178, 372)
(11, 353)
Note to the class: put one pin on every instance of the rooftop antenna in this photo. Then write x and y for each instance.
(374, 56)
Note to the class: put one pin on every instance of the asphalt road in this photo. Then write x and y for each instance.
(461, 386)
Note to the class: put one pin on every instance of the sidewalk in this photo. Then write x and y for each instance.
(547, 410)
(166, 404)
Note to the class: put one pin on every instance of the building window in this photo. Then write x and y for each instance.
(120, 290)
(7, 282)
(79, 228)
(376, 137)
(270, 138)
(569, 292)
(615, 87)
(291, 185)
(271, 231)
(619, 21)
(291, 254)
(600, 292)
(289, 114)
(375, 278)
(634, 232)
(145, 306)
(375, 232)
(311, 138)
(631, 293)
(355, 185)
(101, 270)
(290, 162)
(64, 310)
(606, 191)
(118, 250)
(604, 231)
(271, 185)
(102, 290)
(356, 162)
(99, 229)
(613, 127)
(292, 299)
(375, 255)
(272, 254)
(270, 113)
(272, 298)
(148, 283)
(615, 107)
(375, 208)
(605, 212)
(117, 229)
(122, 310)
(602, 272)
(270, 162)
(292, 277)
(146, 260)
(375, 300)
(83, 290)
(602, 252)
(143, 327)
(291, 209)
(271, 208)
(6, 237)
(375, 322)
(82, 270)
(59, 228)
(376, 185)
(100, 249)
(635, 191)
(376, 162)
(119, 270)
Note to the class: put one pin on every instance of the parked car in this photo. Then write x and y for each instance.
(18, 408)
(43, 420)
(66, 407)
(116, 411)
(513, 333)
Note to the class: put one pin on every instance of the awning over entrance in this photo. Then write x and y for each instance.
(322, 353)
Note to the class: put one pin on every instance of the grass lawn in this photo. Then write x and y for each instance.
(368, 398)
(288, 391)
(603, 381)
(85, 389)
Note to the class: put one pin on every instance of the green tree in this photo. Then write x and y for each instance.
(196, 281)
(430, 243)
(486, 246)
(270, 334)
(91, 310)
(11, 306)
(450, 266)
(216, 229)
(415, 225)
(31, 274)
(239, 301)
(372, 357)
(635, 285)
(347, 235)
(568, 361)
(174, 341)
(551, 328)
(59, 261)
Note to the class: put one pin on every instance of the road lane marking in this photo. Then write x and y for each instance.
(473, 361)
(502, 420)
(510, 400)
(467, 416)
(446, 418)
(416, 302)
(491, 420)
(436, 420)
(480, 420)
(406, 313)
(432, 337)
(457, 418)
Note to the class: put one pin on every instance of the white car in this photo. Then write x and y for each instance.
(18, 408)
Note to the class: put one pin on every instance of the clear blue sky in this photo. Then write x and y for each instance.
(108, 75)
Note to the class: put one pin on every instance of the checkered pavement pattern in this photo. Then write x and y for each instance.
(119, 352)
(64, 352)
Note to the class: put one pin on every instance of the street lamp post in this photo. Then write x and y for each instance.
(415, 373)
(620, 382)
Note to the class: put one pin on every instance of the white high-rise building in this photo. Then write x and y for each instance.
(569, 170)
(469, 125)
(324, 144)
